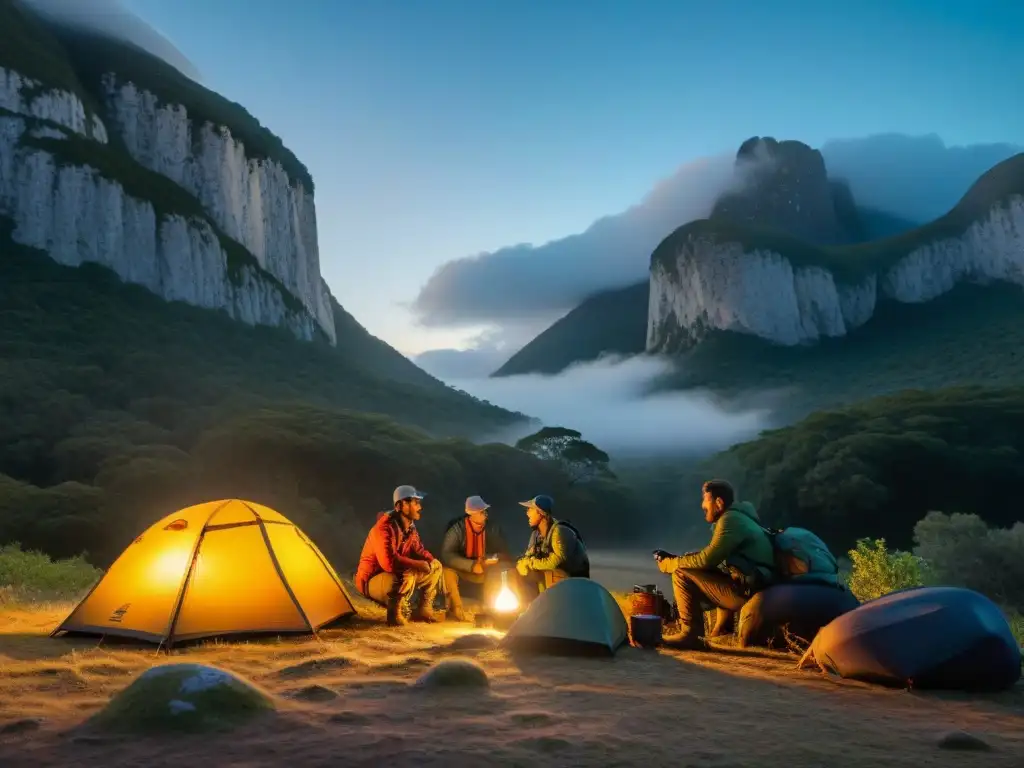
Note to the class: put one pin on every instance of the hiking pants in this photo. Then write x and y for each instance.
(385, 586)
(691, 586)
(535, 582)
(486, 585)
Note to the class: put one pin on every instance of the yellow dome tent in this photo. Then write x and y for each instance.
(219, 568)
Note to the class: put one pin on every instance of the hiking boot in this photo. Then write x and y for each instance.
(425, 610)
(396, 613)
(455, 612)
(425, 613)
(684, 641)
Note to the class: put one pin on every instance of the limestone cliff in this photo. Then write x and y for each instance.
(171, 186)
(712, 275)
(252, 202)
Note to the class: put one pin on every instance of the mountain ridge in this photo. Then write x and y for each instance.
(606, 322)
(702, 274)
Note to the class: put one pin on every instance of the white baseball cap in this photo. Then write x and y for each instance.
(475, 504)
(405, 492)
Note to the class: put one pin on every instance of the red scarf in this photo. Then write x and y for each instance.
(475, 542)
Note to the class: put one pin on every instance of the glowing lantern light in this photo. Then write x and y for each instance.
(506, 601)
(169, 567)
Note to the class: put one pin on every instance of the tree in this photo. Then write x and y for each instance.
(582, 461)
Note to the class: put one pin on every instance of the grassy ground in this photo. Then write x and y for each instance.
(353, 694)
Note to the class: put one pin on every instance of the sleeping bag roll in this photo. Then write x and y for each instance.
(801, 609)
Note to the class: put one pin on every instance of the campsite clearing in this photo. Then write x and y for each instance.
(350, 698)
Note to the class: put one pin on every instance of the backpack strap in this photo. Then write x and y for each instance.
(572, 528)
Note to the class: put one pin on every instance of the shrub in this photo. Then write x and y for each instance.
(963, 551)
(32, 576)
(876, 571)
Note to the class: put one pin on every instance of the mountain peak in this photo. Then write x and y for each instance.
(786, 187)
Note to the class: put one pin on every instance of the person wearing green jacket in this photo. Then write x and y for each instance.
(736, 563)
(556, 550)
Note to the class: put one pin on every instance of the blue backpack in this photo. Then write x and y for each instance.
(801, 556)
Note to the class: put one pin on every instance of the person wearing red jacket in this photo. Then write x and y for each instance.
(394, 563)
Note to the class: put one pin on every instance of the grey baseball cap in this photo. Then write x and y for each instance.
(405, 492)
(475, 504)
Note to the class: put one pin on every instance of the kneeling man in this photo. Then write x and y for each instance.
(474, 554)
(556, 550)
(394, 563)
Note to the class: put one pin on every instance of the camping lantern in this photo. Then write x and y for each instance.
(506, 601)
(503, 613)
(506, 605)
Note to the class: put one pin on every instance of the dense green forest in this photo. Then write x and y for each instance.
(117, 408)
(971, 335)
(874, 469)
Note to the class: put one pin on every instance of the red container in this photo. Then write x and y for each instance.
(645, 604)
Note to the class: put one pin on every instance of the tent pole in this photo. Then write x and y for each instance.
(280, 572)
(182, 590)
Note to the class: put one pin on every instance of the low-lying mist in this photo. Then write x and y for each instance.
(609, 401)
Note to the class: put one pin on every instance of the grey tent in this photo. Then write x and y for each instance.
(575, 616)
(925, 637)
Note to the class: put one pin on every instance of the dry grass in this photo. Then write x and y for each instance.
(350, 698)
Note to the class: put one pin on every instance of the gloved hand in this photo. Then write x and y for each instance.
(523, 565)
(661, 554)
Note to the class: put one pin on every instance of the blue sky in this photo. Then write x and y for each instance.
(437, 129)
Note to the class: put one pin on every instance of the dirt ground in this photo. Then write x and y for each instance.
(349, 699)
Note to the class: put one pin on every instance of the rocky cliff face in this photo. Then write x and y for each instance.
(24, 96)
(786, 188)
(707, 278)
(167, 199)
(253, 202)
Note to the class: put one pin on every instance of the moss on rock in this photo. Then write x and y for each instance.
(454, 673)
(183, 698)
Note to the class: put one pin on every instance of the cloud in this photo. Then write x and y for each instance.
(608, 401)
(524, 281)
(485, 354)
(918, 178)
(112, 19)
